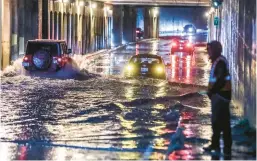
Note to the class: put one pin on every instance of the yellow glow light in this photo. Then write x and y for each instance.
(93, 5)
(81, 3)
(129, 67)
(159, 69)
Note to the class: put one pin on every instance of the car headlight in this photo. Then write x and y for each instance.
(159, 69)
(129, 67)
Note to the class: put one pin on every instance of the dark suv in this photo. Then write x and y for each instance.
(183, 45)
(46, 55)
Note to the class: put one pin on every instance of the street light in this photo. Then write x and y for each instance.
(155, 12)
(207, 14)
(110, 12)
(93, 5)
(81, 3)
(212, 10)
(64, 1)
(107, 8)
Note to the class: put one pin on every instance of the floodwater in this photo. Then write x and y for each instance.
(89, 111)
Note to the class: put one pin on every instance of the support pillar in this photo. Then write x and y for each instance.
(1, 27)
(6, 31)
(151, 22)
(129, 24)
(14, 28)
(117, 25)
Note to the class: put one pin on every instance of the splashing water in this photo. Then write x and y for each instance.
(76, 69)
(14, 69)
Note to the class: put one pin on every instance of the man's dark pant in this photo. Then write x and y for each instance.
(221, 122)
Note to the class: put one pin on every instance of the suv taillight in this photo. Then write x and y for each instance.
(27, 58)
(189, 45)
(174, 44)
(57, 60)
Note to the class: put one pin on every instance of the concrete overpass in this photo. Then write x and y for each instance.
(89, 26)
(159, 2)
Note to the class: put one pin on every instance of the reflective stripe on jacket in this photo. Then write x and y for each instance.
(213, 79)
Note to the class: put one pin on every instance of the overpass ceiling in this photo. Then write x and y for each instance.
(159, 2)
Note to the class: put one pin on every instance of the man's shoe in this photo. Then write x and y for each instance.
(210, 148)
(227, 152)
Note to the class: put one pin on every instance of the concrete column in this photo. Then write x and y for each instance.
(129, 24)
(117, 29)
(6, 33)
(92, 29)
(14, 28)
(45, 19)
(151, 22)
(21, 30)
(1, 27)
(40, 18)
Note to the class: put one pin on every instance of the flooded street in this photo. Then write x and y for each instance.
(105, 116)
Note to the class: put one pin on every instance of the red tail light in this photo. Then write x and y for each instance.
(189, 45)
(174, 44)
(137, 31)
(59, 60)
(27, 58)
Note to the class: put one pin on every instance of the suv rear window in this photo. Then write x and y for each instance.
(33, 47)
(145, 60)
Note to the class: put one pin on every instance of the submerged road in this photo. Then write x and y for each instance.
(103, 115)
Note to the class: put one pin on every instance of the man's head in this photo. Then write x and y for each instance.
(214, 49)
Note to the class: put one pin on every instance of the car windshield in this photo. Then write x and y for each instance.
(33, 47)
(147, 60)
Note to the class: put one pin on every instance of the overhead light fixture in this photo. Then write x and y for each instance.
(81, 3)
(110, 12)
(106, 8)
(212, 9)
(155, 12)
(93, 5)
(64, 1)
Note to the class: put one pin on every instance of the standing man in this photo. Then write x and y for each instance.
(219, 91)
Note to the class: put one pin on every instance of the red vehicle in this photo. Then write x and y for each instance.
(46, 55)
(179, 45)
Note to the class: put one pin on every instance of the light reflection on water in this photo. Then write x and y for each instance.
(91, 113)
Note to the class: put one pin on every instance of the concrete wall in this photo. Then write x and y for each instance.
(237, 32)
(20, 23)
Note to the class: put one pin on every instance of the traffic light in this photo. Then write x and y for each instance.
(216, 3)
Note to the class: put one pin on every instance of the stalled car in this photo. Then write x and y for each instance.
(190, 29)
(182, 45)
(145, 65)
(46, 55)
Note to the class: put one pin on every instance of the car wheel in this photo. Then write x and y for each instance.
(42, 60)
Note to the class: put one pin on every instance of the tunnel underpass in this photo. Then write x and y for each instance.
(90, 110)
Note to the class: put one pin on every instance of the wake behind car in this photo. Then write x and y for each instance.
(46, 55)
(181, 45)
(146, 65)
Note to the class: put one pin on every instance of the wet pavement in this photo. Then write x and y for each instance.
(105, 116)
